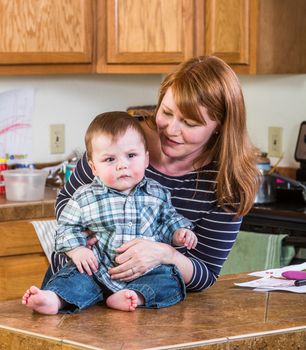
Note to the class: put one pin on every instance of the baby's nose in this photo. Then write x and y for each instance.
(122, 164)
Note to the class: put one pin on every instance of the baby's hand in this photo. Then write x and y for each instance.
(84, 259)
(185, 237)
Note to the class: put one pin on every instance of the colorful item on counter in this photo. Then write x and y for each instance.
(3, 166)
(69, 170)
(294, 275)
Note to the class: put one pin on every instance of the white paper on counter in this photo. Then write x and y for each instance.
(278, 272)
(267, 284)
(16, 108)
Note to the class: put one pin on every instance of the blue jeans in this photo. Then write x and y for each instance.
(160, 287)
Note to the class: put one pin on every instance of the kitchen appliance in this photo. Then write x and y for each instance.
(300, 153)
(286, 213)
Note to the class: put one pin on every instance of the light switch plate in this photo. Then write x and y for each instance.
(275, 141)
(57, 138)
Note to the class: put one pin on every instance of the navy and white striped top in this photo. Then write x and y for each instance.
(194, 197)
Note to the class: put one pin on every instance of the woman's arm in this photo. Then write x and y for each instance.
(200, 267)
(141, 255)
(82, 175)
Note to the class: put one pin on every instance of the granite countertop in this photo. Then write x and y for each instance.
(28, 210)
(222, 317)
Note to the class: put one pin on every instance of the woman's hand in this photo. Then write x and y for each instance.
(138, 256)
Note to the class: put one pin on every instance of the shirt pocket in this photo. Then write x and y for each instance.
(149, 221)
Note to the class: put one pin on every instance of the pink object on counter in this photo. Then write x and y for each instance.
(294, 275)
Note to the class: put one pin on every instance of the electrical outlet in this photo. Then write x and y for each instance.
(57, 138)
(275, 141)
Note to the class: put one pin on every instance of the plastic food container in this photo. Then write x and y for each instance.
(24, 184)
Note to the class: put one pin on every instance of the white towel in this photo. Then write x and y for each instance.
(45, 231)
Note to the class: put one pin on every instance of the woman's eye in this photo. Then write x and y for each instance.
(190, 123)
(167, 113)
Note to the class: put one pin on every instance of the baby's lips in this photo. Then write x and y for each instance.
(294, 275)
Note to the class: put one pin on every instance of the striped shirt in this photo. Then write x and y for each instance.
(116, 217)
(193, 195)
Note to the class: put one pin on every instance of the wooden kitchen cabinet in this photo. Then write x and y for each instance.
(141, 36)
(22, 260)
(254, 36)
(46, 36)
(150, 36)
(227, 30)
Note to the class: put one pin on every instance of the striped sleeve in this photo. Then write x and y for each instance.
(82, 175)
(216, 234)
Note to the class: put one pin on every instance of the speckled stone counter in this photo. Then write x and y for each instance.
(223, 317)
(28, 210)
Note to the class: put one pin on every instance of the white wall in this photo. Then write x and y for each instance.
(275, 100)
(75, 100)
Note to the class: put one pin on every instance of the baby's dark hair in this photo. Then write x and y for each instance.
(114, 124)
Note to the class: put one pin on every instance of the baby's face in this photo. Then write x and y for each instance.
(119, 163)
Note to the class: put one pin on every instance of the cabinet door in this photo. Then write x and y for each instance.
(45, 31)
(149, 31)
(227, 30)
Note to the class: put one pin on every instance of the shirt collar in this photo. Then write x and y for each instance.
(100, 187)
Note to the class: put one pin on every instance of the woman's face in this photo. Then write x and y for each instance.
(182, 138)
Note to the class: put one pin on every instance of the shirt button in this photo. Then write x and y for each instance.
(130, 224)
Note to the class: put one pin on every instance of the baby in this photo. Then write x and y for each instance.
(119, 205)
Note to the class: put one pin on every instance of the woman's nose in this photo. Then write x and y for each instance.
(173, 127)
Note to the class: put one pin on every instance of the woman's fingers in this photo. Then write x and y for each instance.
(125, 246)
(128, 274)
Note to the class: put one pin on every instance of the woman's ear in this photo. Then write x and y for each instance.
(147, 161)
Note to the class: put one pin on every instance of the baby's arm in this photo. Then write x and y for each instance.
(185, 237)
(84, 259)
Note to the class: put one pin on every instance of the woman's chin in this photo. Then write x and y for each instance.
(171, 152)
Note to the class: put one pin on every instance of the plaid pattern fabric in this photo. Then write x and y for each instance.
(117, 218)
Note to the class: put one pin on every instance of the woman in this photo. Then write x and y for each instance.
(200, 151)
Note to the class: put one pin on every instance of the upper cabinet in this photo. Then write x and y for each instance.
(150, 36)
(281, 39)
(144, 36)
(255, 36)
(46, 35)
(227, 30)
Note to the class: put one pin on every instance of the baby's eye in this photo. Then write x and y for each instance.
(109, 159)
(132, 155)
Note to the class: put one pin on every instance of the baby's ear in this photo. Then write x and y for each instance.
(92, 166)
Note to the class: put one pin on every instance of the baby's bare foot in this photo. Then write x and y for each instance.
(124, 300)
(42, 301)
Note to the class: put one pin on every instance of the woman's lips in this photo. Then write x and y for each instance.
(172, 142)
